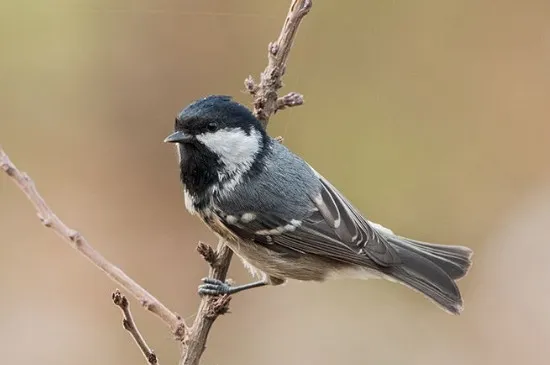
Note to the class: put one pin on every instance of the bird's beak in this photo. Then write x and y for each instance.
(178, 137)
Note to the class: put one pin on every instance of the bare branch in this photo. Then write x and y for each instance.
(130, 326)
(78, 242)
(266, 99)
(209, 309)
(266, 103)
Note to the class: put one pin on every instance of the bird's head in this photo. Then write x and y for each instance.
(219, 135)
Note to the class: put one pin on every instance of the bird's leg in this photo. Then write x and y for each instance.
(218, 287)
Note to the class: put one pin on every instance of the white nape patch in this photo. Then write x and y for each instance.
(248, 217)
(235, 148)
(189, 202)
(291, 227)
(231, 219)
(381, 228)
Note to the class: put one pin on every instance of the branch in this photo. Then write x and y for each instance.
(266, 100)
(130, 326)
(210, 307)
(266, 103)
(79, 243)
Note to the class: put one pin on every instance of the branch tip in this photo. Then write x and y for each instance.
(289, 100)
(129, 325)
(208, 254)
(306, 7)
(119, 299)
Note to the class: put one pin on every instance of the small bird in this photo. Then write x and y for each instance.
(286, 221)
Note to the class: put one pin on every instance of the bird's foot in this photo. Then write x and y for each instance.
(214, 287)
(217, 287)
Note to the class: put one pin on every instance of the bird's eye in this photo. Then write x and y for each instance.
(212, 126)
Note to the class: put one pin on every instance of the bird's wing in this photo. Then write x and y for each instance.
(350, 226)
(333, 229)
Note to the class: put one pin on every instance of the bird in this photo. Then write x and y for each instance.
(284, 220)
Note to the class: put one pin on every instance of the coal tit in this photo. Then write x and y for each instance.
(285, 220)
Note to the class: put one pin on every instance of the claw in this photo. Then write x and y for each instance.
(212, 281)
(214, 287)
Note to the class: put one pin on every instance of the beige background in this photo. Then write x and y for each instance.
(431, 116)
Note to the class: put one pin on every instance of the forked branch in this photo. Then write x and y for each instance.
(266, 102)
(78, 242)
(130, 325)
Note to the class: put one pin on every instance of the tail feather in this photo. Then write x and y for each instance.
(454, 260)
(432, 270)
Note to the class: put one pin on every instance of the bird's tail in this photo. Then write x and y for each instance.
(431, 269)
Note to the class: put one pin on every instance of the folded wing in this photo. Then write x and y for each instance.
(333, 228)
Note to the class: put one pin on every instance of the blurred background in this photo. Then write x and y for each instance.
(431, 116)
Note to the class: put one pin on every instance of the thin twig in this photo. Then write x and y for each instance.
(78, 242)
(266, 98)
(130, 325)
(266, 103)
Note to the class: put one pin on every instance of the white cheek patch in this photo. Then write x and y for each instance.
(235, 148)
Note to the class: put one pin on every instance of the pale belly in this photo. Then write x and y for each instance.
(269, 264)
